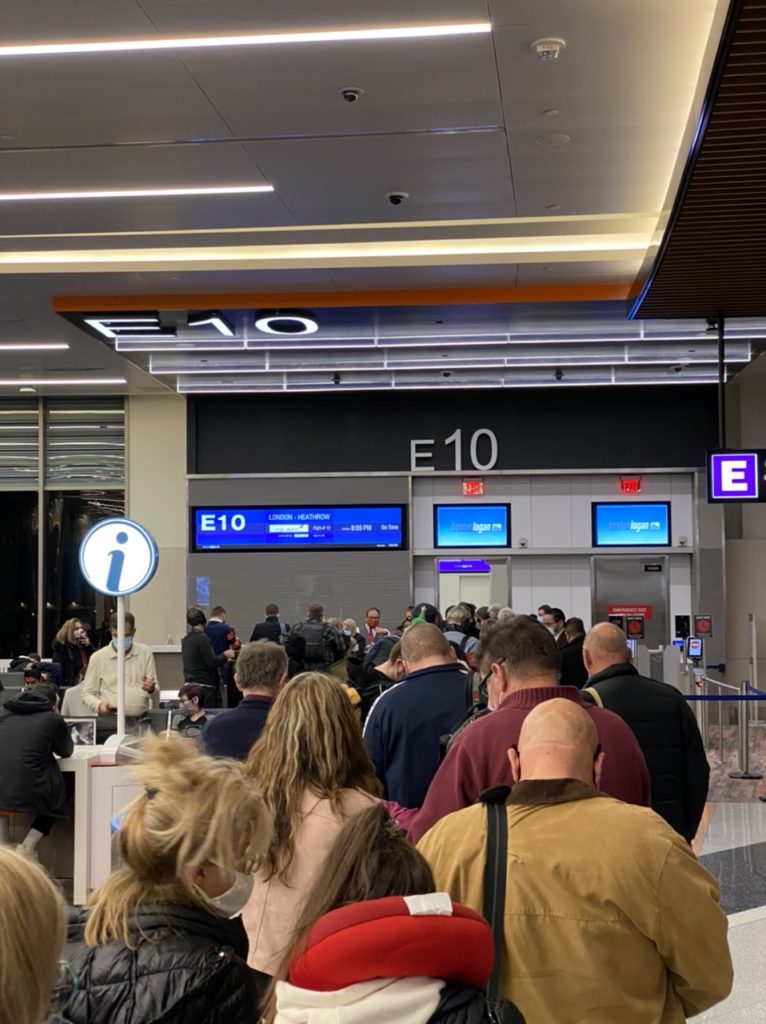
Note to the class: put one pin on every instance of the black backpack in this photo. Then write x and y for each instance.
(317, 639)
(475, 707)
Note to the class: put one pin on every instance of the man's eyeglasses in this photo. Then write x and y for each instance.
(485, 679)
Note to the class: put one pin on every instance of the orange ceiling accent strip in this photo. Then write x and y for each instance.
(329, 300)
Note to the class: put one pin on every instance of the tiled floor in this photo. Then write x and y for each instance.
(747, 1003)
(733, 848)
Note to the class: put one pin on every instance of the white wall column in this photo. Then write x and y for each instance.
(156, 497)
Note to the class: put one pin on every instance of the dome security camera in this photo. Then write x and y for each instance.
(350, 93)
(397, 198)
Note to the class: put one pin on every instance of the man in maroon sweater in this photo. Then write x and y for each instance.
(522, 661)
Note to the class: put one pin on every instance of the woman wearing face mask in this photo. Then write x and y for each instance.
(193, 717)
(72, 650)
(156, 942)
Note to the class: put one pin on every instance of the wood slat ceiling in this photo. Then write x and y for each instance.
(713, 256)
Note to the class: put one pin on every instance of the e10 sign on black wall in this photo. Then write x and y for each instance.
(465, 431)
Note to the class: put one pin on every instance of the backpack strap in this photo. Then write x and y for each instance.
(495, 875)
(595, 695)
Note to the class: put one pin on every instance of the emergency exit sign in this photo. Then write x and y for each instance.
(473, 488)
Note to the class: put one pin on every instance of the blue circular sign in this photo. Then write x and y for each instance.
(118, 557)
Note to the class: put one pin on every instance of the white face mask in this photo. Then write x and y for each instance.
(235, 899)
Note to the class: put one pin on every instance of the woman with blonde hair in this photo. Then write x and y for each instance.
(72, 650)
(32, 932)
(314, 771)
(156, 942)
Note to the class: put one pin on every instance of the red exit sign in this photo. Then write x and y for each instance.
(473, 488)
(630, 484)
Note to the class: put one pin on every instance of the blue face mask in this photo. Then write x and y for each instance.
(128, 642)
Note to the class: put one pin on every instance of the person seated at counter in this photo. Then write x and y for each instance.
(31, 733)
(99, 692)
(193, 718)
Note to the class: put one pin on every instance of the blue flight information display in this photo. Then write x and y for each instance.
(626, 525)
(292, 528)
(472, 526)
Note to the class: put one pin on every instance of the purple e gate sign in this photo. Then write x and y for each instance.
(734, 476)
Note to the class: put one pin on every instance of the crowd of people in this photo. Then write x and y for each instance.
(469, 818)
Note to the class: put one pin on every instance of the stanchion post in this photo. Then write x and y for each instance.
(743, 722)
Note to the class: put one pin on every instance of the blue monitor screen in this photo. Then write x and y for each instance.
(305, 528)
(472, 526)
(624, 524)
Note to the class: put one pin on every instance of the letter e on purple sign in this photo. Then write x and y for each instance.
(734, 476)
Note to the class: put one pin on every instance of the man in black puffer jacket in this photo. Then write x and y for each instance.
(187, 966)
(662, 721)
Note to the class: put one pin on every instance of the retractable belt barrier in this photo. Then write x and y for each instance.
(748, 696)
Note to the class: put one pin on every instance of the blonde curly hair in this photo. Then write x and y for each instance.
(193, 810)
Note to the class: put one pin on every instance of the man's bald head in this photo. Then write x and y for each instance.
(558, 740)
(604, 646)
(425, 645)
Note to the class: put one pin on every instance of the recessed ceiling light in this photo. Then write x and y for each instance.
(136, 193)
(63, 381)
(553, 139)
(553, 206)
(550, 112)
(32, 346)
(255, 39)
(7, 138)
(28, 391)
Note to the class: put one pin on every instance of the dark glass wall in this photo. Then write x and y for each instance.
(69, 516)
(18, 573)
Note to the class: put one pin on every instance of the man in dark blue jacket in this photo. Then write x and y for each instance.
(406, 722)
(260, 674)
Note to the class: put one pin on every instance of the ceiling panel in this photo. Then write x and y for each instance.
(409, 84)
(197, 16)
(97, 100)
(447, 176)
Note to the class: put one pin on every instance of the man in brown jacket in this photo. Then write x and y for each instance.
(608, 915)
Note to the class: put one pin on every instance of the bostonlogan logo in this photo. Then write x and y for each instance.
(634, 525)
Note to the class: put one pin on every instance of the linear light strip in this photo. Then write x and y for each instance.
(45, 346)
(191, 390)
(61, 381)
(254, 39)
(418, 366)
(135, 193)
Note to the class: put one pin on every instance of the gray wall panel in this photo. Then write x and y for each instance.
(344, 582)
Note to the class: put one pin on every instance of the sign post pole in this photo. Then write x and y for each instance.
(120, 666)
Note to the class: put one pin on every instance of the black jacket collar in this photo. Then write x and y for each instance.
(623, 668)
(189, 919)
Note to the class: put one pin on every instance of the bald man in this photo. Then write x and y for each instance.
(608, 917)
(662, 722)
(406, 722)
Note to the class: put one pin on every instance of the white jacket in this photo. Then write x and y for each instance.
(382, 1001)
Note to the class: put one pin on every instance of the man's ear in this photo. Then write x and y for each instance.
(598, 769)
(513, 757)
